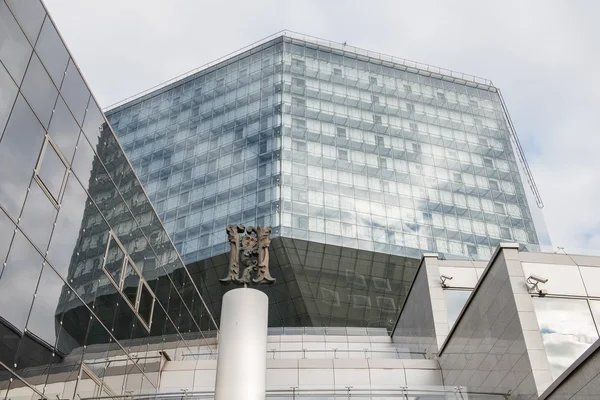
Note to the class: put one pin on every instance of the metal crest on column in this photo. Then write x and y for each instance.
(252, 252)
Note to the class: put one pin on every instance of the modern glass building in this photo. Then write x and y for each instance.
(361, 163)
(87, 270)
(96, 303)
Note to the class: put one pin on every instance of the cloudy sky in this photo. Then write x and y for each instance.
(544, 55)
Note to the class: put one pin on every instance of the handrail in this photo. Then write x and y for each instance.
(431, 69)
(335, 351)
(399, 392)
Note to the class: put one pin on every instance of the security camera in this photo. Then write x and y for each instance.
(537, 279)
(534, 281)
(445, 278)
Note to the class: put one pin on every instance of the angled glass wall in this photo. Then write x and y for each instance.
(87, 270)
(207, 149)
(330, 146)
(379, 158)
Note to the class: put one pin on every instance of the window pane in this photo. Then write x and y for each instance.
(38, 216)
(114, 261)
(75, 92)
(18, 281)
(93, 124)
(6, 233)
(42, 321)
(455, 301)
(63, 129)
(52, 171)
(39, 90)
(567, 330)
(130, 284)
(30, 15)
(68, 228)
(83, 161)
(595, 306)
(146, 304)
(8, 94)
(52, 52)
(19, 150)
(14, 48)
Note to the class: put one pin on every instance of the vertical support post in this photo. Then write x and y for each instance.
(242, 360)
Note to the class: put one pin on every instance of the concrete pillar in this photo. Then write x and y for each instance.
(242, 361)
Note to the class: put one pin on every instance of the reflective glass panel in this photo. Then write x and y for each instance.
(38, 216)
(94, 123)
(567, 330)
(19, 150)
(43, 320)
(67, 232)
(52, 52)
(131, 282)
(114, 261)
(595, 307)
(18, 281)
(74, 91)
(455, 301)
(39, 90)
(83, 161)
(63, 129)
(6, 233)
(52, 171)
(14, 47)
(8, 93)
(30, 14)
(146, 304)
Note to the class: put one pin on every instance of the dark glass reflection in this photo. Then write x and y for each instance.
(18, 282)
(43, 321)
(19, 150)
(131, 282)
(114, 261)
(14, 47)
(320, 285)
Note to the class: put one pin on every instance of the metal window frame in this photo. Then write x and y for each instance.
(112, 236)
(38, 168)
(102, 388)
(127, 260)
(147, 324)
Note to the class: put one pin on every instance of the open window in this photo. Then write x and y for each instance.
(128, 280)
(51, 171)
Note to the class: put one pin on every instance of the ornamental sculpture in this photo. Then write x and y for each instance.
(250, 252)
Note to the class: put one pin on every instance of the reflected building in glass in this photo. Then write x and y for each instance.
(360, 162)
(87, 270)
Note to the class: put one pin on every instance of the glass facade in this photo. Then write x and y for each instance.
(568, 326)
(329, 146)
(87, 270)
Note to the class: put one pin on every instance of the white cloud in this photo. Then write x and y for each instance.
(542, 54)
